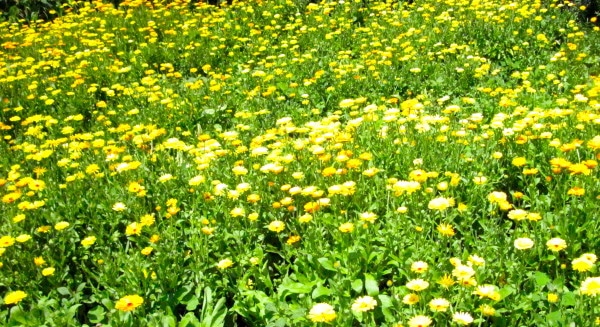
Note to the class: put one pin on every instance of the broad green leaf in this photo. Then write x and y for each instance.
(371, 285)
(357, 285)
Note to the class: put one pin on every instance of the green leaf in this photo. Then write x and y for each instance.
(554, 317)
(541, 279)
(97, 314)
(386, 301)
(168, 321)
(371, 285)
(357, 285)
(63, 291)
(568, 299)
(320, 291)
(192, 304)
(327, 264)
(189, 320)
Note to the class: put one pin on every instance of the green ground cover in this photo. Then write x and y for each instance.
(286, 163)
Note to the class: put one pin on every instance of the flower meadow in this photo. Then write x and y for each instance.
(292, 163)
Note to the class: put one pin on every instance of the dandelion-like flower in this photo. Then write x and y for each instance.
(129, 303)
(322, 312)
(14, 297)
(364, 304)
(462, 318)
(419, 321)
(590, 286)
(556, 244)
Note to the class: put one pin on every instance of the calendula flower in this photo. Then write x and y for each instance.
(411, 299)
(445, 230)
(346, 227)
(322, 312)
(419, 267)
(582, 264)
(129, 303)
(417, 285)
(419, 321)
(440, 204)
(590, 286)
(48, 271)
(61, 225)
(224, 264)
(119, 206)
(14, 297)
(133, 229)
(368, 216)
(439, 305)
(462, 318)
(276, 226)
(556, 244)
(364, 304)
(523, 243)
(88, 241)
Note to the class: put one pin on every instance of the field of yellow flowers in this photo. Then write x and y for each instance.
(292, 163)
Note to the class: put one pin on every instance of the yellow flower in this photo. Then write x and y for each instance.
(462, 318)
(322, 312)
(590, 286)
(119, 206)
(14, 297)
(417, 285)
(293, 239)
(61, 225)
(523, 243)
(224, 264)
(147, 250)
(39, 261)
(446, 281)
(364, 304)
(48, 271)
(276, 226)
(445, 229)
(23, 238)
(439, 305)
(440, 203)
(419, 321)
(88, 241)
(517, 214)
(463, 272)
(129, 302)
(237, 212)
(576, 191)
(556, 244)
(519, 161)
(133, 229)
(419, 267)
(411, 299)
(368, 216)
(582, 264)
(487, 310)
(346, 227)
(552, 297)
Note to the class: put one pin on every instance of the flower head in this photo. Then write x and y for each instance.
(523, 243)
(322, 312)
(590, 286)
(462, 318)
(364, 303)
(129, 302)
(556, 244)
(419, 321)
(14, 297)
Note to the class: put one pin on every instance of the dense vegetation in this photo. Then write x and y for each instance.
(280, 163)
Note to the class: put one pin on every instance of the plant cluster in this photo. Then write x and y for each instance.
(277, 163)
